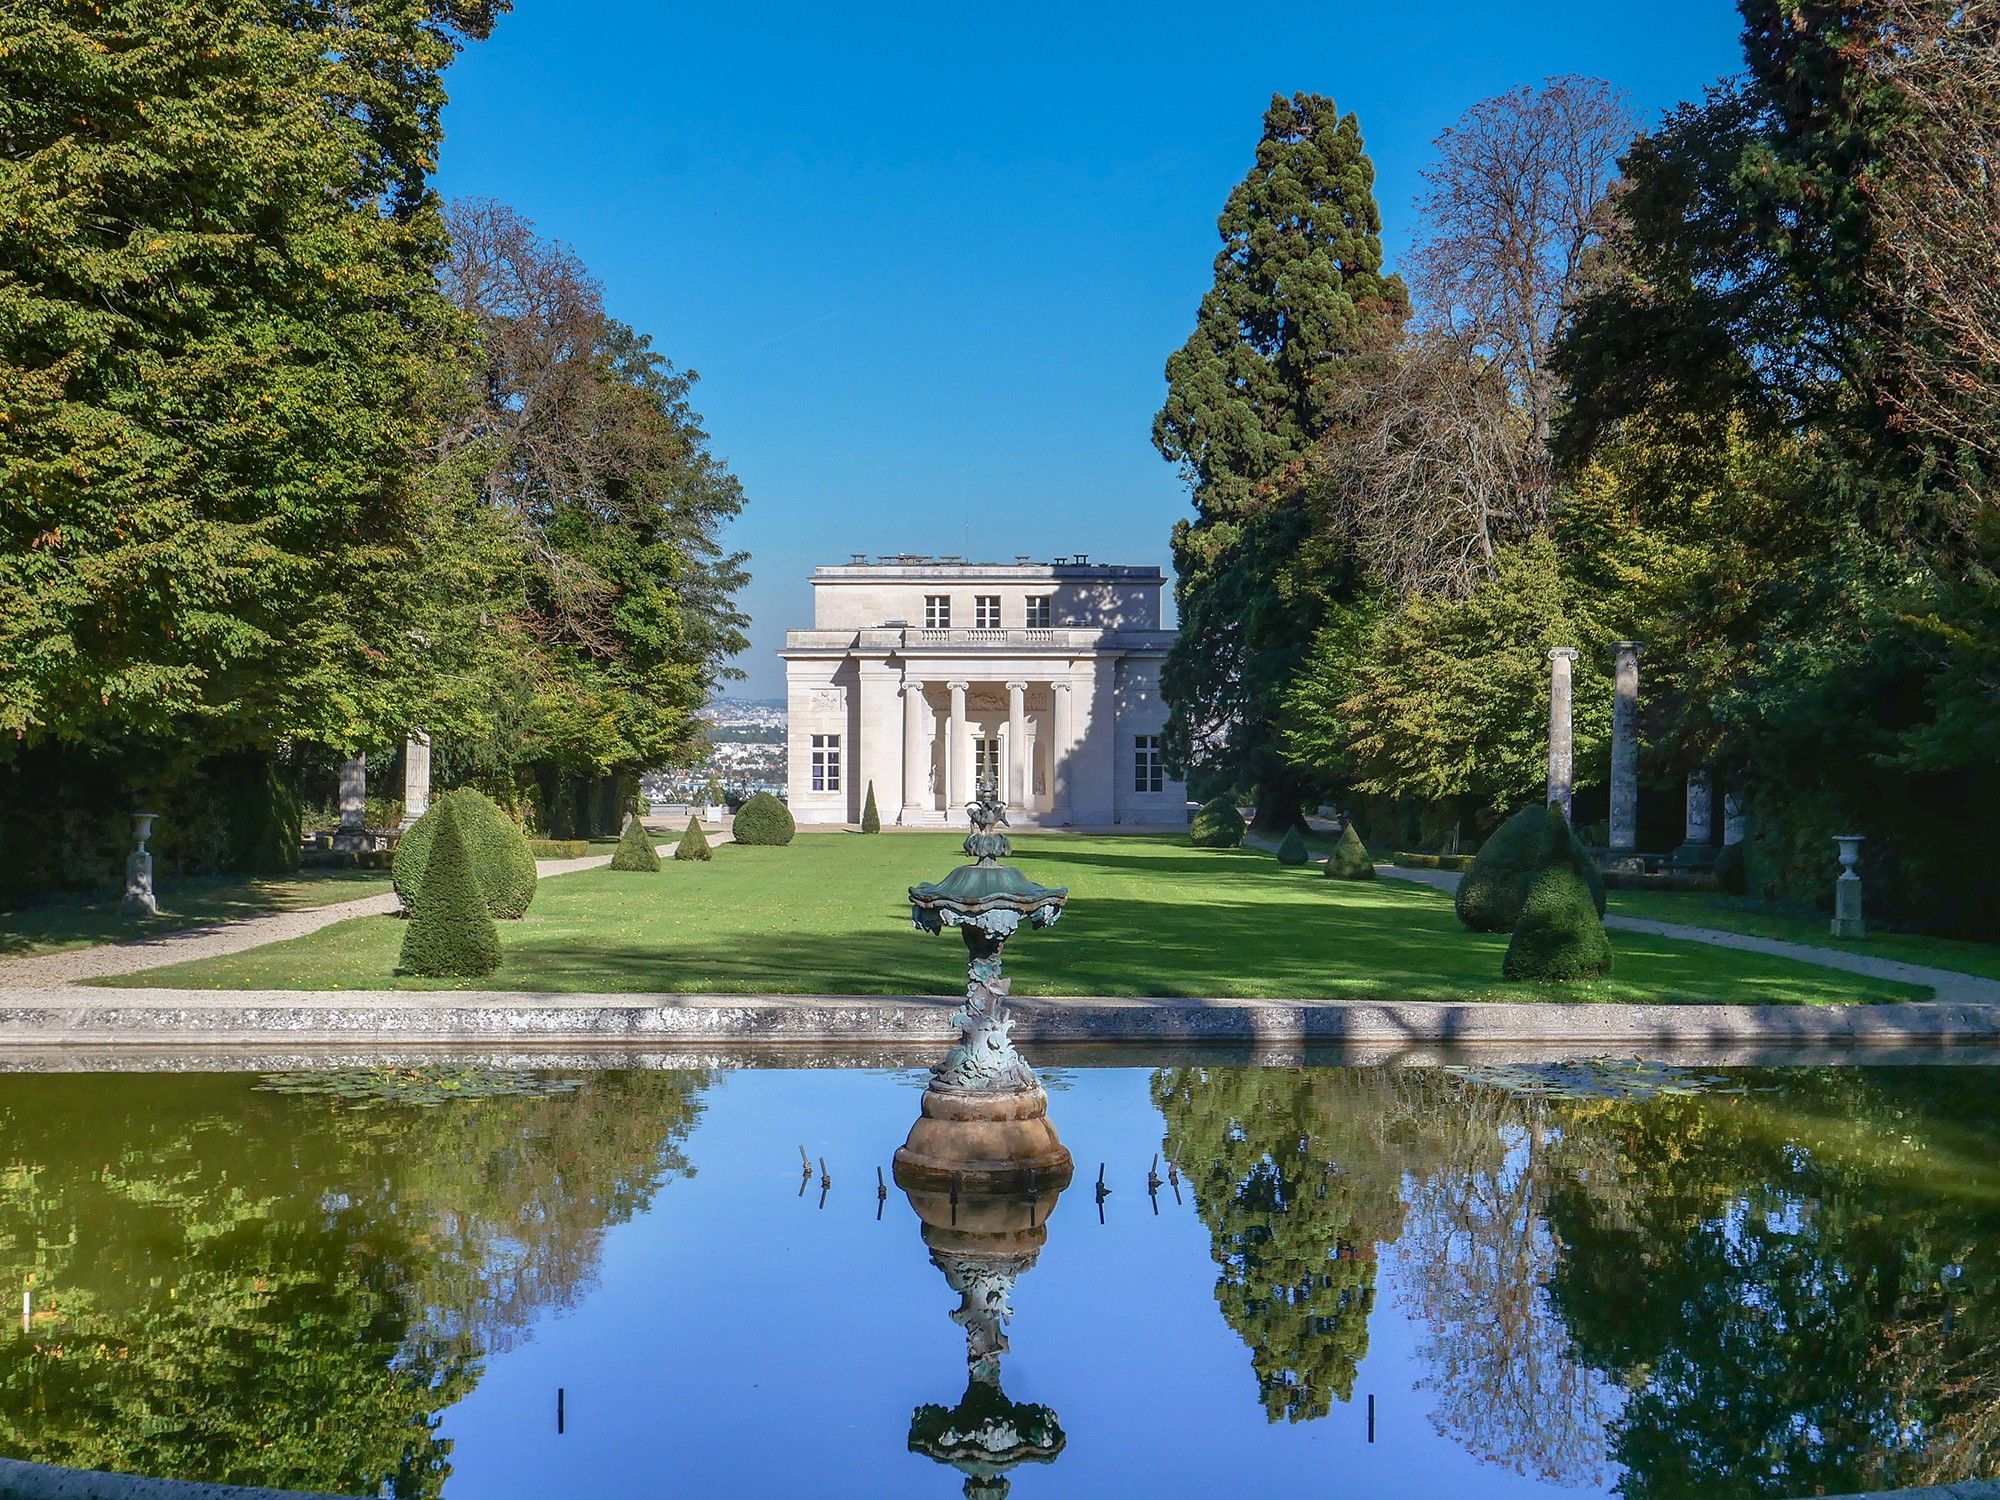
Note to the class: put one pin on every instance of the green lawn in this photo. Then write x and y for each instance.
(1148, 917)
(1734, 914)
(50, 929)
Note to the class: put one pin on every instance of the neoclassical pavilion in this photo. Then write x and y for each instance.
(921, 673)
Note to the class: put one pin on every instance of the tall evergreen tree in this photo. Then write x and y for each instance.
(1299, 292)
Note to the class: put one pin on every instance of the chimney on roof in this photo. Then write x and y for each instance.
(859, 558)
(1082, 557)
(1021, 558)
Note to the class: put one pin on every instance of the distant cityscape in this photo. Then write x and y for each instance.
(746, 754)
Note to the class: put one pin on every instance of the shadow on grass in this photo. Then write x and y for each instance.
(184, 906)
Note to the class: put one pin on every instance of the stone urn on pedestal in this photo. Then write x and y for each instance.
(985, 1122)
(139, 900)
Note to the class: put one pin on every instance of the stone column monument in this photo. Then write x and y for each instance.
(1732, 817)
(1847, 920)
(416, 778)
(1625, 750)
(1699, 846)
(1561, 721)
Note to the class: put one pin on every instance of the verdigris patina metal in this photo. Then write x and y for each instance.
(985, 1114)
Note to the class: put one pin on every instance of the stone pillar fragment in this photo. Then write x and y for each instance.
(1625, 750)
(1561, 728)
(1698, 848)
(416, 776)
(1732, 817)
(352, 834)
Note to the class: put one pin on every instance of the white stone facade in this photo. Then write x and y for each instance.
(919, 673)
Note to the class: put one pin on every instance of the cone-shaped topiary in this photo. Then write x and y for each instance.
(502, 862)
(694, 843)
(764, 820)
(1292, 849)
(1490, 895)
(1731, 875)
(635, 847)
(1560, 936)
(871, 820)
(1217, 825)
(1350, 859)
(451, 934)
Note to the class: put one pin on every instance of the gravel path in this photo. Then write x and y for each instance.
(214, 939)
(1949, 985)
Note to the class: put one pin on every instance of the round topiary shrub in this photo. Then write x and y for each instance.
(635, 847)
(1731, 874)
(1292, 848)
(1560, 935)
(1217, 825)
(694, 843)
(871, 820)
(451, 934)
(764, 820)
(1350, 859)
(502, 862)
(1496, 883)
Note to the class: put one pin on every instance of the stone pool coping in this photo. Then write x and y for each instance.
(68, 1018)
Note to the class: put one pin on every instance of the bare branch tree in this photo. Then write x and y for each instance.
(1430, 470)
(1514, 211)
(1940, 200)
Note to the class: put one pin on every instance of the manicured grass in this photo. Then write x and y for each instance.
(1734, 914)
(1149, 916)
(52, 928)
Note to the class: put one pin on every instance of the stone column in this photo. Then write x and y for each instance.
(959, 761)
(1732, 817)
(915, 782)
(416, 776)
(1015, 790)
(1060, 770)
(352, 833)
(1699, 846)
(1561, 770)
(1625, 750)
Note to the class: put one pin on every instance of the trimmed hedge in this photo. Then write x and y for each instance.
(1292, 848)
(1350, 859)
(871, 820)
(694, 843)
(451, 935)
(1430, 861)
(1560, 935)
(559, 848)
(1496, 884)
(501, 860)
(1217, 825)
(764, 820)
(635, 848)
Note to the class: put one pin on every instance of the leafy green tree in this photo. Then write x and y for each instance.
(1299, 292)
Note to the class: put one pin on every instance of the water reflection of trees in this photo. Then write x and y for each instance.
(256, 1288)
(1787, 1291)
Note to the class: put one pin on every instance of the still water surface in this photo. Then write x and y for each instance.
(1783, 1289)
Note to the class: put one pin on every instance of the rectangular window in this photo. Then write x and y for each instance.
(1039, 613)
(986, 760)
(937, 611)
(826, 762)
(986, 611)
(1149, 769)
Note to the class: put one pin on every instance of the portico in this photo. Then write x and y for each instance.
(1065, 712)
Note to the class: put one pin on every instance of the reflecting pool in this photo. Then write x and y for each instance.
(1480, 1281)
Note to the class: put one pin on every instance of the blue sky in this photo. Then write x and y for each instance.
(929, 263)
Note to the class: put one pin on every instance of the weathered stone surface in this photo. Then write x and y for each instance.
(1625, 748)
(1561, 731)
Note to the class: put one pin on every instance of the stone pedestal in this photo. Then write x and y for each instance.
(353, 831)
(1699, 847)
(416, 780)
(1625, 750)
(1561, 733)
(139, 900)
(1847, 919)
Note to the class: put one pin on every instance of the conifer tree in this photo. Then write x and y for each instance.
(694, 843)
(1299, 292)
(451, 934)
(871, 820)
(635, 847)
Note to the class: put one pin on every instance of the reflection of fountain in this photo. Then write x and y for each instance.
(985, 1119)
(982, 1242)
